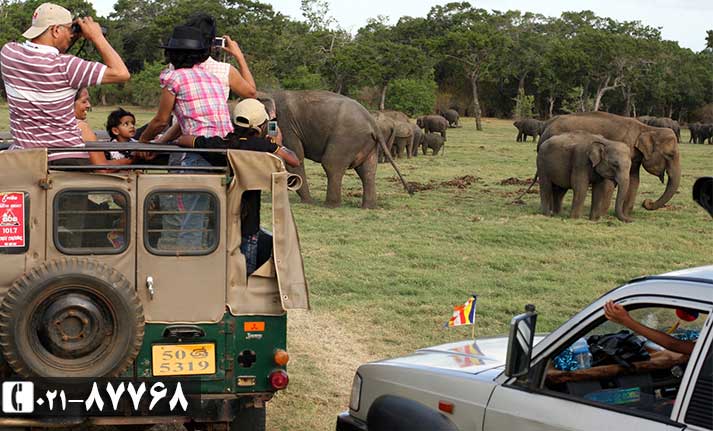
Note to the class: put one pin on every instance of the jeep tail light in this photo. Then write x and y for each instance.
(281, 357)
(279, 379)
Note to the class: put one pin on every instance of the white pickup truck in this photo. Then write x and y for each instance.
(514, 383)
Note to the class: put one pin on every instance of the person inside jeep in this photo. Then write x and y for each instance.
(41, 66)
(250, 119)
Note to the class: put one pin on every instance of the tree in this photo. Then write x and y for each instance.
(472, 42)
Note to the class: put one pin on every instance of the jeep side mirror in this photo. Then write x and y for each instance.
(703, 193)
(522, 334)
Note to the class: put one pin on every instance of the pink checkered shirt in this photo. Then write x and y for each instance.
(201, 109)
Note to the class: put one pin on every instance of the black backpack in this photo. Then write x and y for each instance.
(621, 348)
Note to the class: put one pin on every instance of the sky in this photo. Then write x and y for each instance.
(684, 21)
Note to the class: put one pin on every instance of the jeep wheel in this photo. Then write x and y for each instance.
(71, 318)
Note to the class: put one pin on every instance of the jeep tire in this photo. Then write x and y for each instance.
(71, 318)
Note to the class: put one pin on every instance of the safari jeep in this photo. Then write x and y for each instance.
(101, 276)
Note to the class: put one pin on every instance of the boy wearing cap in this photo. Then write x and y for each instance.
(41, 80)
(250, 120)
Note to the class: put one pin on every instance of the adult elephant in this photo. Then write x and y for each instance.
(694, 129)
(654, 148)
(397, 134)
(330, 129)
(576, 160)
(433, 124)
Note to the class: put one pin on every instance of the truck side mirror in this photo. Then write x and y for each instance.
(522, 334)
(703, 193)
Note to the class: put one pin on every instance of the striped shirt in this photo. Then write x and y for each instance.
(200, 107)
(41, 84)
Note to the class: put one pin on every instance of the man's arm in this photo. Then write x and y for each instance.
(616, 313)
(241, 81)
(116, 71)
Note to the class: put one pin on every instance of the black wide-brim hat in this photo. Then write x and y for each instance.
(186, 38)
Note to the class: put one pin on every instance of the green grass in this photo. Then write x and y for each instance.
(384, 281)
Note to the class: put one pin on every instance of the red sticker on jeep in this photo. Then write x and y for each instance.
(12, 219)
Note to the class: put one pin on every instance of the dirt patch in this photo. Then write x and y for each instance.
(459, 182)
(514, 181)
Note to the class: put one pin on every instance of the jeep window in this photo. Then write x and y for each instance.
(181, 223)
(646, 383)
(91, 221)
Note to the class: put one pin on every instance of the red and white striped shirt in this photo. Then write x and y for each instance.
(41, 84)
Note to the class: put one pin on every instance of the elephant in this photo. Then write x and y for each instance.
(398, 135)
(694, 129)
(417, 139)
(433, 141)
(704, 131)
(576, 160)
(330, 129)
(433, 123)
(663, 122)
(451, 115)
(654, 148)
(528, 127)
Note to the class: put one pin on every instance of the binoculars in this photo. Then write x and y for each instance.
(76, 29)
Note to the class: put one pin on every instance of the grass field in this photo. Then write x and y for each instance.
(384, 281)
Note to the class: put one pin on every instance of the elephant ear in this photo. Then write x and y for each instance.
(596, 153)
(645, 144)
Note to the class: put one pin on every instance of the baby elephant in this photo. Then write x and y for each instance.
(576, 160)
(433, 141)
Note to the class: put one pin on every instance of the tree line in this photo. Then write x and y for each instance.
(480, 62)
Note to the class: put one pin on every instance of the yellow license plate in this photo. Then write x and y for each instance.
(183, 359)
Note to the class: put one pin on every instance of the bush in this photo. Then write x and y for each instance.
(302, 79)
(411, 96)
(144, 86)
(524, 105)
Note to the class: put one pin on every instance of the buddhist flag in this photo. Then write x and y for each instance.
(463, 314)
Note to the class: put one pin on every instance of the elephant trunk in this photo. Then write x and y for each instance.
(673, 169)
(622, 181)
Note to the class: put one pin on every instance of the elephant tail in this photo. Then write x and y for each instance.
(380, 143)
(518, 199)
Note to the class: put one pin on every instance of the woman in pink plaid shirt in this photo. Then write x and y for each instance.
(195, 96)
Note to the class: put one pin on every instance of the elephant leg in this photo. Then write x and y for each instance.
(633, 188)
(335, 174)
(579, 195)
(518, 138)
(557, 198)
(409, 147)
(367, 174)
(545, 196)
(602, 192)
(443, 133)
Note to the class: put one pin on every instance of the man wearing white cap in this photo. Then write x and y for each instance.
(41, 80)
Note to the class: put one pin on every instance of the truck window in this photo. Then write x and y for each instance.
(181, 223)
(91, 221)
(625, 371)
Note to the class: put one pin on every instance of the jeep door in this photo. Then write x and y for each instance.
(181, 260)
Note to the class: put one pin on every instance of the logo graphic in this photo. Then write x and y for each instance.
(18, 397)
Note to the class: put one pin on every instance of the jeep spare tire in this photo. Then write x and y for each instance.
(71, 318)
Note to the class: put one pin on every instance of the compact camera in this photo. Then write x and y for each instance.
(219, 42)
(272, 128)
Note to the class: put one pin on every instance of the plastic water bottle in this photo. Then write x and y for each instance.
(581, 354)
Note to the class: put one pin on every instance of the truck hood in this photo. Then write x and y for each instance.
(468, 356)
